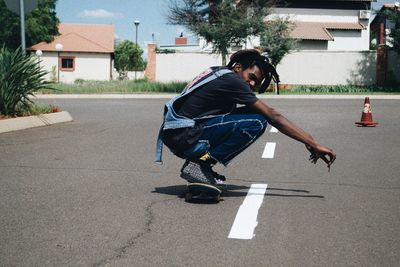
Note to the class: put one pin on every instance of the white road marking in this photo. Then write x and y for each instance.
(273, 130)
(269, 150)
(246, 219)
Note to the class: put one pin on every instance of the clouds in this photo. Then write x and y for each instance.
(100, 14)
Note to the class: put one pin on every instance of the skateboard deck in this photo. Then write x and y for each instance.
(197, 192)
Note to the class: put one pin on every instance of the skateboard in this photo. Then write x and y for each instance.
(197, 192)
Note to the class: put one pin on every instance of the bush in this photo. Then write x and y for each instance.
(20, 77)
(34, 109)
(79, 81)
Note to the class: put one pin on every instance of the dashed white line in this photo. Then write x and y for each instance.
(269, 150)
(273, 130)
(246, 219)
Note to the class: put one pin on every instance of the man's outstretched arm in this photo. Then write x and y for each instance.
(286, 127)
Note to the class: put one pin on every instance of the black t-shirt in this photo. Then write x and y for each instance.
(220, 96)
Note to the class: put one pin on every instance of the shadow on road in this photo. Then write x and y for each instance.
(175, 190)
(238, 191)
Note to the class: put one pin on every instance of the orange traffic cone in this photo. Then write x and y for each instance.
(366, 116)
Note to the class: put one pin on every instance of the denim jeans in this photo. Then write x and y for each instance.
(226, 136)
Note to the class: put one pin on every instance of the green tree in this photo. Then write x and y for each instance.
(40, 25)
(276, 40)
(128, 57)
(222, 23)
(394, 16)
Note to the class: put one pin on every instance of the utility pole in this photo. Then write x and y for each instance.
(21, 7)
(136, 22)
(22, 16)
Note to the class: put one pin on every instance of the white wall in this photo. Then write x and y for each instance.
(303, 67)
(182, 48)
(130, 74)
(183, 66)
(47, 61)
(328, 68)
(88, 66)
(317, 15)
(350, 40)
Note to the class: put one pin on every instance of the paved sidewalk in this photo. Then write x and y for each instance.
(21, 123)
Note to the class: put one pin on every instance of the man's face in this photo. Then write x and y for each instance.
(252, 76)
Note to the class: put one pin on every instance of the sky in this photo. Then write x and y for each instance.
(122, 13)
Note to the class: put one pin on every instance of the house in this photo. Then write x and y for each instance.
(81, 51)
(333, 46)
(381, 27)
(333, 25)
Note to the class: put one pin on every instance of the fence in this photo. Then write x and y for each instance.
(328, 68)
(300, 68)
(130, 75)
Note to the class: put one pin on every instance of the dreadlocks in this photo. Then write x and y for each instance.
(251, 57)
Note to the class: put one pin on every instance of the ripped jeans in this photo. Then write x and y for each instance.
(226, 136)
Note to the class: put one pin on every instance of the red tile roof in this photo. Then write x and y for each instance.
(92, 38)
(320, 30)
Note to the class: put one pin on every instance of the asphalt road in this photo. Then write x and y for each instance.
(87, 193)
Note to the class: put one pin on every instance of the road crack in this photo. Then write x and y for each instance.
(121, 251)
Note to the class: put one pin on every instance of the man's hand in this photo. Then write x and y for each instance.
(321, 152)
(288, 128)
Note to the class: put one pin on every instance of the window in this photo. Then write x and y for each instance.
(67, 63)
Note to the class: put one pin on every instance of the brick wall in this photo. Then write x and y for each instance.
(381, 66)
(150, 71)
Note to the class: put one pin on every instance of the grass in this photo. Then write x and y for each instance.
(340, 89)
(144, 86)
(32, 110)
(117, 87)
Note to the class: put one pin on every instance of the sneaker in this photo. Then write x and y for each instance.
(200, 172)
(219, 180)
(221, 185)
(196, 172)
(218, 176)
(206, 158)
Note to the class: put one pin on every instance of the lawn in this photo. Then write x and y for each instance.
(116, 87)
(143, 86)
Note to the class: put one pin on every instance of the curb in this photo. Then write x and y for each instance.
(21, 123)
